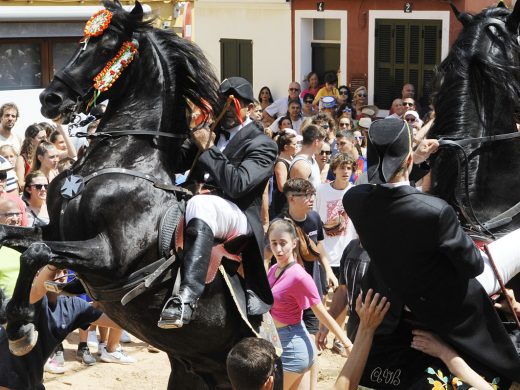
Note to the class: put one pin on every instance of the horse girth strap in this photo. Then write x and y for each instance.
(135, 284)
(156, 182)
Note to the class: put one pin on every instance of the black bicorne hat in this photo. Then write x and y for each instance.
(389, 143)
(239, 87)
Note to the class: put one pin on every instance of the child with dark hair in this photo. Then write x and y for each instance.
(251, 364)
(331, 81)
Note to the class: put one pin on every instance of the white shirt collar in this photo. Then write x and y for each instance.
(397, 184)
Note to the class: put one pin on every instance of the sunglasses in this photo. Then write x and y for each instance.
(308, 101)
(325, 127)
(306, 196)
(362, 95)
(342, 124)
(325, 152)
(410, 119)
(408, 104)
(343, 92)
(40, 187)
(11, 215)
(294, 89)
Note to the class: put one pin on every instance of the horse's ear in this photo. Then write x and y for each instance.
(513, 19)
(463, 18)
(501, 4)
(137, 11)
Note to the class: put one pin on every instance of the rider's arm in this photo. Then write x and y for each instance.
(237, 180)
(38, 290)
(457, 245)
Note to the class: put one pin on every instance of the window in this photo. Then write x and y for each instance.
(405, 51)
(326, 46)
(236, 58)
(30, 63)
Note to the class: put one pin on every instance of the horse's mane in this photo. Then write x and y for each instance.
(194, 78)
(479, 72)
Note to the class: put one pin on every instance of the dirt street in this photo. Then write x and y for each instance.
(150, 372)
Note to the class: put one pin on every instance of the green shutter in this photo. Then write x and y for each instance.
(236, 58)
(405, 51)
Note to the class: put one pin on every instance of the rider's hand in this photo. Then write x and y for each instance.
(424, 150)
(502, 305)
(430, 344)
(203, 138)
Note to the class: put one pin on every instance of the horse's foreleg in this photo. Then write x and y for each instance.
(20, 314)
(90, 255)
(18, 237)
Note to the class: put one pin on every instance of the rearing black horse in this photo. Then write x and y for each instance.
(106, 211)
(477, 102)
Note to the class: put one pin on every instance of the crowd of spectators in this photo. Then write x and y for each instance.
(321, 133)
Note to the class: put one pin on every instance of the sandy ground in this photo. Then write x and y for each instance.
(151, 371)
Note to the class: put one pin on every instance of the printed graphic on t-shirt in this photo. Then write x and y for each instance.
(336, 213)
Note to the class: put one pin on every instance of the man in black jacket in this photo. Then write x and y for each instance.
(239, 163)
(421, 255)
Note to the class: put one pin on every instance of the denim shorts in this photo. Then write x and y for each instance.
(299, 351)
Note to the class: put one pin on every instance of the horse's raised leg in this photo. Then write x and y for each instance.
(20, 314)
(18, 237)
(90, 255)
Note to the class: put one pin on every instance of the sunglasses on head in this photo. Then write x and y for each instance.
(40, 187)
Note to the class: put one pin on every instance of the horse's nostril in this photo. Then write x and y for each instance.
(53, 100)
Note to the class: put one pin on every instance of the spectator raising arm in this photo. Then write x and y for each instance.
(432, 345)
(371, 313)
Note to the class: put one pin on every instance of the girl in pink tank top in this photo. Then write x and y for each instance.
(294, 291)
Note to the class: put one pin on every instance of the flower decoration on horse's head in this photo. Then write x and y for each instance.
(97, 24)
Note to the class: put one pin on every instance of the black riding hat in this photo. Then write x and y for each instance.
(389, 142)
(239, 87)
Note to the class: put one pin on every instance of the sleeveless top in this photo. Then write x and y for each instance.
(279, 201)
(315, 176)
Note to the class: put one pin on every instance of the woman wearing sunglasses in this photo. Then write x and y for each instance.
(308, 109)
(35, 196)
(360, 100)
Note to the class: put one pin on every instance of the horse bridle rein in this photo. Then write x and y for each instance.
(503, 218)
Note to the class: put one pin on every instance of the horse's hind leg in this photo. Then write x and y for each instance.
(183, 379)
(20, 313)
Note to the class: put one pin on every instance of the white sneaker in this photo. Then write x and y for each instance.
(92, 340)
(117, 356)
(53, 366)
(125, 337)
(101, 347)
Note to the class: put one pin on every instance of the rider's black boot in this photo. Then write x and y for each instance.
(198, 242)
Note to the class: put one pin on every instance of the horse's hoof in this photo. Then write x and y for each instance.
(25, 344)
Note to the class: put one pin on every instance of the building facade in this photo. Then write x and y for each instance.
(379, 44)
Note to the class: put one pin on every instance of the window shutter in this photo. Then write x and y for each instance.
(236, 58)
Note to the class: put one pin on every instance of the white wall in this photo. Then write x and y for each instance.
(29, 105)
(267, 23)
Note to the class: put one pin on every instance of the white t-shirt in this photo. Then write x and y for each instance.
(329, 205)
(12, 140)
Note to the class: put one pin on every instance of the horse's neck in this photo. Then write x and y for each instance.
(147, 103)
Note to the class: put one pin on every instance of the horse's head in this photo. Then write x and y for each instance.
(478, 84)
(107, 48)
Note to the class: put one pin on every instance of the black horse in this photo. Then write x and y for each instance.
(106, 211)
(477, 105)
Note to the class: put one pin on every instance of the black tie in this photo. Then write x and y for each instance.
(226, 134)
